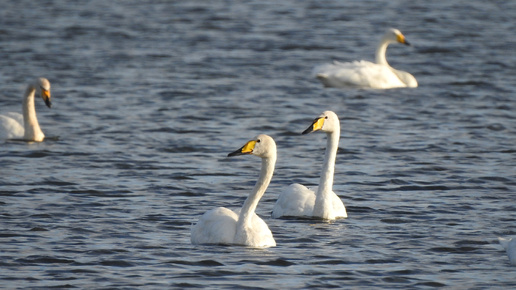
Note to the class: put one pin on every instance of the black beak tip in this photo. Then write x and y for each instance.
(309, 130)
(407, 43)
(236, 153)
(48, 103)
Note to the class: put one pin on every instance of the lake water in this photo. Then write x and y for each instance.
(150, 96)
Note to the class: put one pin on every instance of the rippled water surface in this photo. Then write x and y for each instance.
(150, 96)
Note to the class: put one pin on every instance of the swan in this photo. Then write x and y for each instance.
(321, 202)
(26, 127)
(510, 247)
(365, 74)
(242, 227)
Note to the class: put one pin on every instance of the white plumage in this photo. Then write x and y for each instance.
(510, 247)
(320, 202)
(241, 227)
(365, 74)
(26, 127)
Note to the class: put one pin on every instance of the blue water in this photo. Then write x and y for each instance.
(150, 96)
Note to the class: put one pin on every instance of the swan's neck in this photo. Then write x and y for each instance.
(30, 121)
(323, 200)
(249, 207)
(381, 50)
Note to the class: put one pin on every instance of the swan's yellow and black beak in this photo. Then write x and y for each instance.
(45, 95)
(246, 149)
(401, 39)
(316, 125)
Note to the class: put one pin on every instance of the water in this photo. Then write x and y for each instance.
(150, 96)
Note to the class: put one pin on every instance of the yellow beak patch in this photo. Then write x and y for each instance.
(249, 147)
(401, 38)
(318, 123)
(45, 94)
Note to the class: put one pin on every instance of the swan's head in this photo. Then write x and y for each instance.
(327, 122)
(394, 35)
(42, 86)
(262, 146)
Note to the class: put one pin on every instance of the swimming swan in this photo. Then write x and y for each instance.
(26, 127)
(510, 247)
(365, 74)
(321, 202)
(242, 227)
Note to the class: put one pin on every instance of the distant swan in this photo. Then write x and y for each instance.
(26, 127)
(321, 202)
(365, 74)
(243, 227)
(510, 247)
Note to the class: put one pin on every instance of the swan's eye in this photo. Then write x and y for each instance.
(326, 117)
(258, 141)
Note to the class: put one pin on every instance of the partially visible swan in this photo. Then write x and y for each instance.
(26, 127)
(365, 74)
(510, 247)
(242, 227)
(321, 202)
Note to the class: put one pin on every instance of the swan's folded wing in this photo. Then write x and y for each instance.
(504, 242)
(510, 247)
(10, 128)
(16, 116)
(357, 74)
(216, 226)
(345, 75)
(295, 200)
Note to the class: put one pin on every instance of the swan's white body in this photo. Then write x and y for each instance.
(242, 227)
(365, 74)
(510, 247)
(299, 201)
(26, 126)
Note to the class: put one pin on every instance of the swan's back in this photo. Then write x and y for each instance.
(11, 126)
(16, 116)
(295, 200)
(216, 226)
(299, 200)
(359, 74)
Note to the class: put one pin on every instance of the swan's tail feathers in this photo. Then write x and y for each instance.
(324, 79)
(504, 242)
(322, 76)
(321, 70)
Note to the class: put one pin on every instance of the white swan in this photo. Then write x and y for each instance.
(26, 127)
(242, 227)
(321, 202)
(510, 247)
(365, 74)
